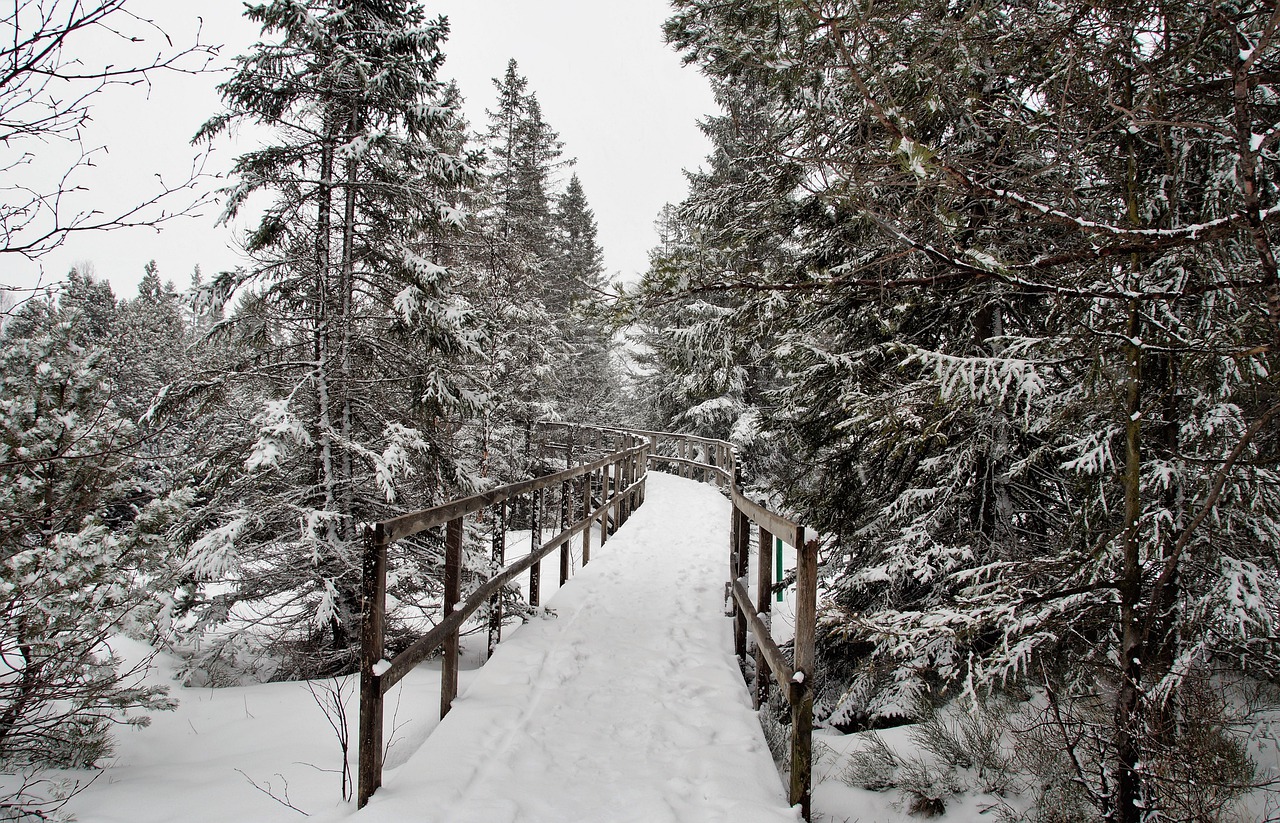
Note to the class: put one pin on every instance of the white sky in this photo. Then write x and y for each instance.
(618, 96)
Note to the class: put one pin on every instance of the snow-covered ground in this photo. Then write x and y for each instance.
(623, 702)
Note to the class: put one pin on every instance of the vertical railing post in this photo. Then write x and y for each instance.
(452, 594)
(535, 541)
(374, 606)
(741, 539)
(586, 515)
(644, 471)
(604, 510)
(617, 495)
(499, 559)
(802, 685)
(764, 585)
(565, 553)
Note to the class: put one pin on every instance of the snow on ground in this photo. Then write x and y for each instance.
(626, 705)
(623, 704)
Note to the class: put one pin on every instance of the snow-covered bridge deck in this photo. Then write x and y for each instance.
(625, 706)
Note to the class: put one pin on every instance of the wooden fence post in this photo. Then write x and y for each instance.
(586, 513)
(374, 595)
(604, 511)
(499, 557)
(452, 594)
(565, 553)
(741, 531)
(617, 495)
(764, 588)
(802, 691)
(535, 539)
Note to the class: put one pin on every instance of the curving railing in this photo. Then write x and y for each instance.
(602, 494)
(608, 490)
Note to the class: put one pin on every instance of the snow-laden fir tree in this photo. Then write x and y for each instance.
(349, 331)
(1029, 343)
(83, 548)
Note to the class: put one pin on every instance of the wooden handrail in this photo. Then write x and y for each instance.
(623, 473)
(622, 481)
(797, 677)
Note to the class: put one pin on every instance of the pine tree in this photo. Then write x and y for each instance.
(1029, 327)
(349, 333)
(83, 553)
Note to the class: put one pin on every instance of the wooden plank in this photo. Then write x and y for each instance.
(738, 536)
(775, 523)
(586, 512)
(806, 604)
(405, 525)
(772, 654)
(374, 606)
(764, 588)
(565, 554)
(535, 535)
(452, 592)
(802, 703)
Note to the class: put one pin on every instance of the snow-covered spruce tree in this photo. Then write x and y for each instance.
(82, 554)
(517, 281)
(705, 357)
(588, 388)
(349, 332)
(1033, 349)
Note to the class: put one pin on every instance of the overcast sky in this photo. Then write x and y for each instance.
(624, 107)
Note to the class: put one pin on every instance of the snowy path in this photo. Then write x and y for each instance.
(626, 706)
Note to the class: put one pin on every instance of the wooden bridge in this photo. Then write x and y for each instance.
(600, 481)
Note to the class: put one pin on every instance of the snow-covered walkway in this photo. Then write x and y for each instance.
(625, 706)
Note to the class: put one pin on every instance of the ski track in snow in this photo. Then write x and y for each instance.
(625, 706)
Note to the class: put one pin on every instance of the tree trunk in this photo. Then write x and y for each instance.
(1127, 799)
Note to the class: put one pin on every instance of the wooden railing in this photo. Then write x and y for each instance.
(619, 477)
(616, 480)
(715, 461)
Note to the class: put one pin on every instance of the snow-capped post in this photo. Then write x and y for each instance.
(802, 681)
(764, 587)
(452, 594)
(374, 593)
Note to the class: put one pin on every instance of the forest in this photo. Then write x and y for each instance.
(982, 291)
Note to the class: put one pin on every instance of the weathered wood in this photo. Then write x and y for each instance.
(452, 592)
(800, 793)
(738, 569)
(374, 600)
(498, 556)
(412, 523)
(775, 523)
(565, 553)
(764, 641)
(617, 486)
(764, 588)
(802, 705)
(535, 535)
(586, 515)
